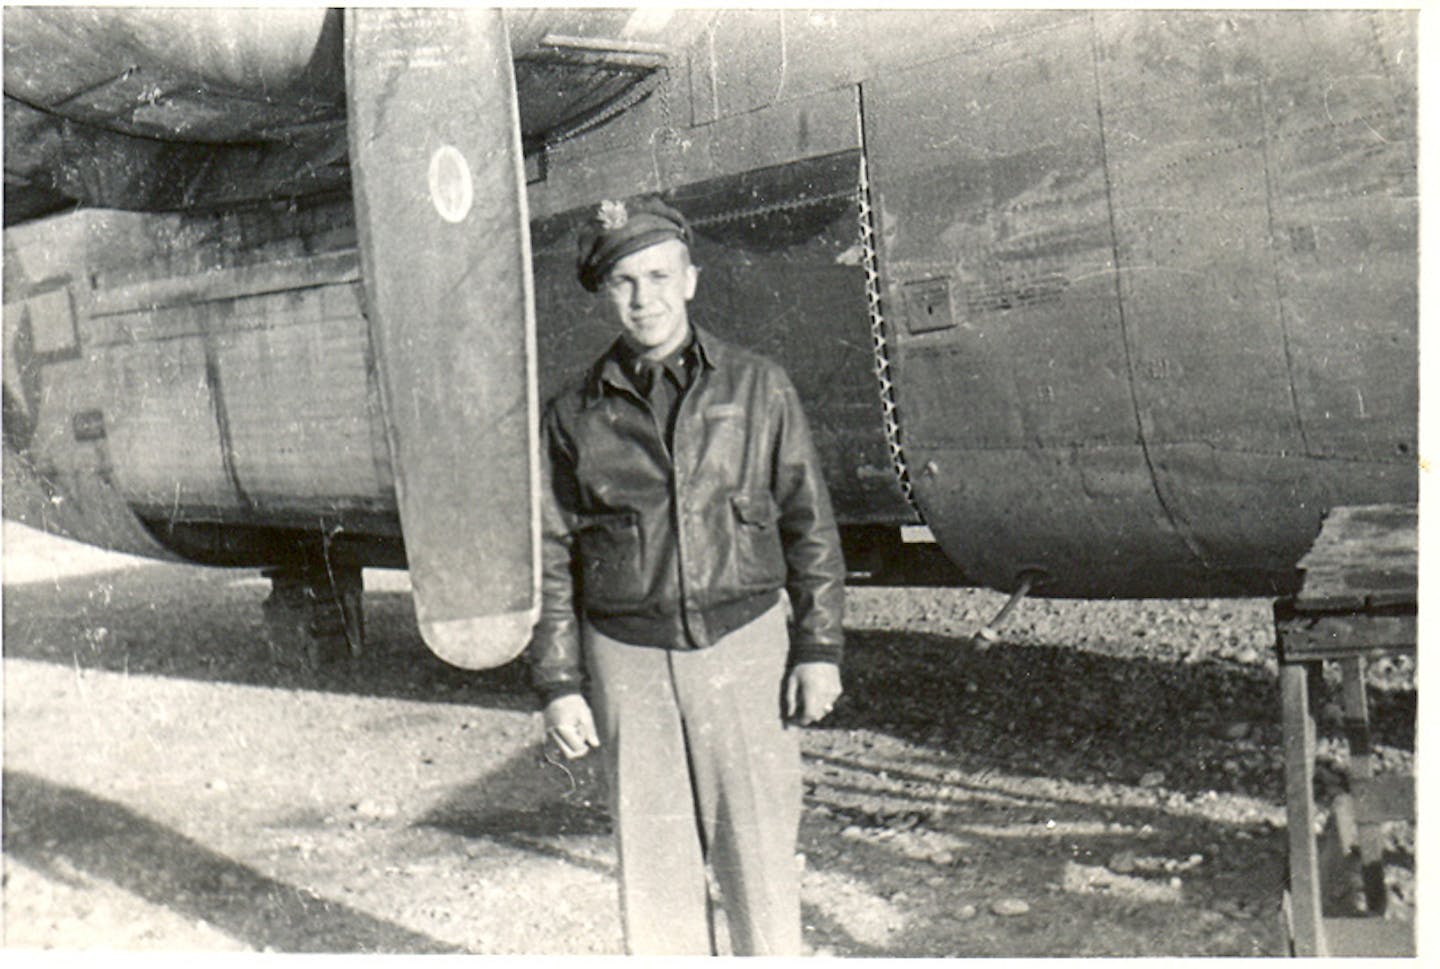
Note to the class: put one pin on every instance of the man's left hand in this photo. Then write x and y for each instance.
(811, 690)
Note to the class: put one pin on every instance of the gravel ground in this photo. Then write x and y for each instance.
(1105, 779)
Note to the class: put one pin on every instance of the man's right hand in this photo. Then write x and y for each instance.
(568, 720)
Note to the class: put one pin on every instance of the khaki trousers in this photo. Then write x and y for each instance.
(701, 768)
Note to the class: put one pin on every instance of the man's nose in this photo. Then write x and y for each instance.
(640, 294)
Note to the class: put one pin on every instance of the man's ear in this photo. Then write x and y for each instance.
(692, 277)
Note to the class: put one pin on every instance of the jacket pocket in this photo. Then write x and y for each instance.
(610, 566)
(759, 559)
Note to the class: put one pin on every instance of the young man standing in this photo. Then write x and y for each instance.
(684, 494)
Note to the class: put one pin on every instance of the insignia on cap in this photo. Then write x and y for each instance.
(612, 215)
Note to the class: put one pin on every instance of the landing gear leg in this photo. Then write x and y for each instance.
(314, 614)
(987, 636)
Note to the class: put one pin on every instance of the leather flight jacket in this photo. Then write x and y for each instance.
(739, 510)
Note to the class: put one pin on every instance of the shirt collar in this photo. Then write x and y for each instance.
(618, 363)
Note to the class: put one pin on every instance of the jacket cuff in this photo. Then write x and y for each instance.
(811, 652)
(554, 691)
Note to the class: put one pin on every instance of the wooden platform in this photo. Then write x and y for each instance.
(1363, 559)
(1358, 599)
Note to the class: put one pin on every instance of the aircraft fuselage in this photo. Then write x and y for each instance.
(1124, 301)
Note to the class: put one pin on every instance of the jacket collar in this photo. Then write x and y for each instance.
(609, 370)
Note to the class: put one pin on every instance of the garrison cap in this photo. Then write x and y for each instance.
(619, 228)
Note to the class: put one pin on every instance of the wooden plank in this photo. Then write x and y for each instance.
(1300, 810)
(444, 241)
(1357, 737)
(1357, 715)
(1332, 636)
(1369, 936)
(1347, 826)
(1390, 797)
(1365, 556)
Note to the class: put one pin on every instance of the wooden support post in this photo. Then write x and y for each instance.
(1299, 728)
(1362, 772)
(1358, 598)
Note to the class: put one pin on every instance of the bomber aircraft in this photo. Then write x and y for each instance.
(1107, 303)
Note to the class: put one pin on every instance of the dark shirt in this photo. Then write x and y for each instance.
(662, 382)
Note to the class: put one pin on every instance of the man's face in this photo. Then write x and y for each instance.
(645, 294)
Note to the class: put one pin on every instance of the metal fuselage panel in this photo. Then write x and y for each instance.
(1147, 290)
(217, 367)
(221, 370)
(1152, 284)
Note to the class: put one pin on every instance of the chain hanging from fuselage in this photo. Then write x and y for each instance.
(878, 335)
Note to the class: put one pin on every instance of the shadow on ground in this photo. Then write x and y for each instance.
(1058, 711)
(961, 724)
(951, 777)
(51, 826)
(1052, 709)
(205, 624)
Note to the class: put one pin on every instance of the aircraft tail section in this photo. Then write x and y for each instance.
(438, 180)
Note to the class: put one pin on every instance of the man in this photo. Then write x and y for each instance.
(683, 495)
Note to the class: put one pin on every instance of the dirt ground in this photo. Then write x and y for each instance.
(1106, 779)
